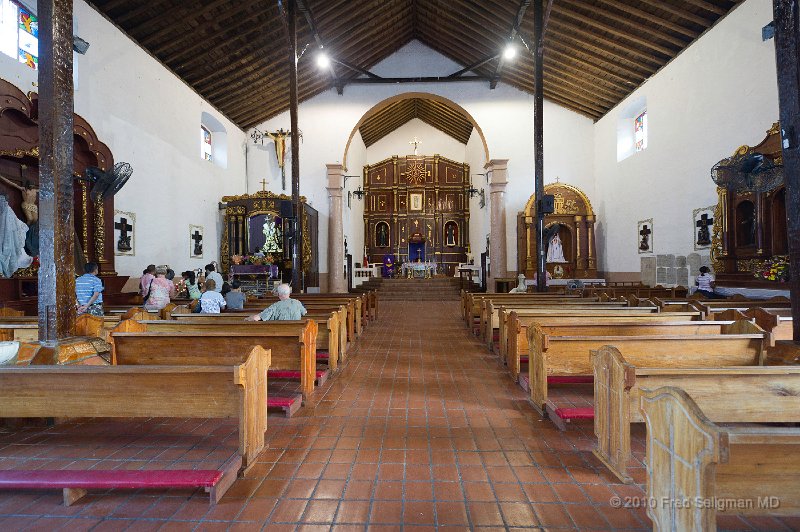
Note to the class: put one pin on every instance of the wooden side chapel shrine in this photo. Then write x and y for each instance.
(575, 233)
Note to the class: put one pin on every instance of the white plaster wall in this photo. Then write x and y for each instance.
(718, 94)
(432, 142)
(354, 216)
(505, 115)
(475, 157)
(151, 119)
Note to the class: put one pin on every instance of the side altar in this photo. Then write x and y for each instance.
(257, 237)
(568, 232)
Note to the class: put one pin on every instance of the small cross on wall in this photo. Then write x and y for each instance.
(263, 185)
(198, 242)
(415, 142)
(124, 241)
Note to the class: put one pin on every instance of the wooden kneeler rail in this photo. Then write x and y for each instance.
(222, 391)
(697, 468)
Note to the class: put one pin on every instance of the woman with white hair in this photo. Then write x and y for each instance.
(284, 309)
(160, 291)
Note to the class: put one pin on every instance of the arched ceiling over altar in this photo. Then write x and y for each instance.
(234, 54)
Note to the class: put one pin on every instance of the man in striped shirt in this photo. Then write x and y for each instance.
(89, 291)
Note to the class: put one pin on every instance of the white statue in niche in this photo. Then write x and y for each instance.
(273, 239)
(555, 251)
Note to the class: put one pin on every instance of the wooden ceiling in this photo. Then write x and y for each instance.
(234, 54)
(439, 115)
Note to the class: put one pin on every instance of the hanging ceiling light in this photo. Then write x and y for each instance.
(509, 52)
(323, 61)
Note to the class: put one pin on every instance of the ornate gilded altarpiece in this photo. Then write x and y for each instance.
(259, 222)
(576, 219)
(417, 207)
(19, 161)
(750, 227)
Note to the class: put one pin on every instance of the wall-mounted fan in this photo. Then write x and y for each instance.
(106, 184)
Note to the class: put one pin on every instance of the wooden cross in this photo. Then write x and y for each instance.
(198, 242)
(415, 142)
(124, 241)
(704, 221)
(263, 185)
(644, 233)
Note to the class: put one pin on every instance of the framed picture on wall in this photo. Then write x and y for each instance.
(645, 236)
(124, 233)
(703, 226)
(415, 201)
(195, 241)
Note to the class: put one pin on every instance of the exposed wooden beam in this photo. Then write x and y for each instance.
(571, 29)
(523, 6)
(474, 65)
(309, 16)
(680, 12)
(646, 15)
(187, 18)
(708, 6)
(603, 71)
(538, 139)
(612, 52)
(220, 29)
(599, 59)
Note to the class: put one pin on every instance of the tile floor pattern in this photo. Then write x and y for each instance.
(421, 429)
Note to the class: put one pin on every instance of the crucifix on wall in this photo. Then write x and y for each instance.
(195, 241)
(415, 142)
(644, 243)
(124, 240)
(703, 233)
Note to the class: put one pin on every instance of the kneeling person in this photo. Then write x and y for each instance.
(284, 310)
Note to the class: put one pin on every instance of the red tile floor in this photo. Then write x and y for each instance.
(422, 428)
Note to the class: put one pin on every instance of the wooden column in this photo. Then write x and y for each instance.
(787, 56)
(297, 241)
(56, 224)
(538, 140)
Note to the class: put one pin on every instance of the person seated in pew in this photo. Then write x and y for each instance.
(705, 283)
(89, 291)
(284, 309)
(235, 298)
(190, 280)
(212, 274)
(161, 291)
(148, 275)
(211, 302)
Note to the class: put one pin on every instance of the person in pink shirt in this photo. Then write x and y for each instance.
(161, 290)
(147, 277)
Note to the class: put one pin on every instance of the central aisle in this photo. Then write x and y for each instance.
(423, 426)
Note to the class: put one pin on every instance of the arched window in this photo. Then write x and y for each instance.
(206, 147)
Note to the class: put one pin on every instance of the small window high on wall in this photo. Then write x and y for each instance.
(19, 33)
(632, 130)
(213, 140)
(205, 144)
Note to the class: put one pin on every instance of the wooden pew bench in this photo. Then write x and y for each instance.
(555, 354)
(472, 302)
(345, 310)
(618, 385)
(186, 391)
(355, 309)
(293, 347)
(693, 462)
(325, 340)
(517, 352)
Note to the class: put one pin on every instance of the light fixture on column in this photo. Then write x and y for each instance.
(79, 45)
(359, 193)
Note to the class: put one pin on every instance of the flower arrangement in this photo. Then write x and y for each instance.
(775, 269)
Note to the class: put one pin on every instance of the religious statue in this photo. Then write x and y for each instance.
(450, 229)
(703, 234)
(382, 236)
(30, 210)
(644, 243)
(279, 138)
(12, 234)
(273, 236)
(555, 251)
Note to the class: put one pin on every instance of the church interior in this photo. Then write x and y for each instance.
(546, 253)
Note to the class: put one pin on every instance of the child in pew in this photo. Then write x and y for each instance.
(284, 310)
(211, 302)
(235, 299)
(190, 280)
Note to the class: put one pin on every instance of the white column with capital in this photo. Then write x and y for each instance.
(498, 169)
(336, 280)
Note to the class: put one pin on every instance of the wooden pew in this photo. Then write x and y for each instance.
(618, 385)
(698, 468)
(518, 349)
(26, 328)
(327, 329)
(517, 332)
(490, 312)
(710, 306)
(293, 347)
(552, 353)
(153, 390)
(471, 301)
(353, 306)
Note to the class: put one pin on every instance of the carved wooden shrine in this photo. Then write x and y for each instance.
(19, 162)
(260, 222)
(576, 219)
(751, 230)
(417, 208)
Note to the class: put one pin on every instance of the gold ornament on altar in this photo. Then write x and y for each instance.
(415, 170)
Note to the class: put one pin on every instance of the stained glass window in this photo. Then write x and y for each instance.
(19, 33)
(640, 131)
(205, 143)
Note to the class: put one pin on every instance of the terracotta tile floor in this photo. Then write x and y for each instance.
(421, 428)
